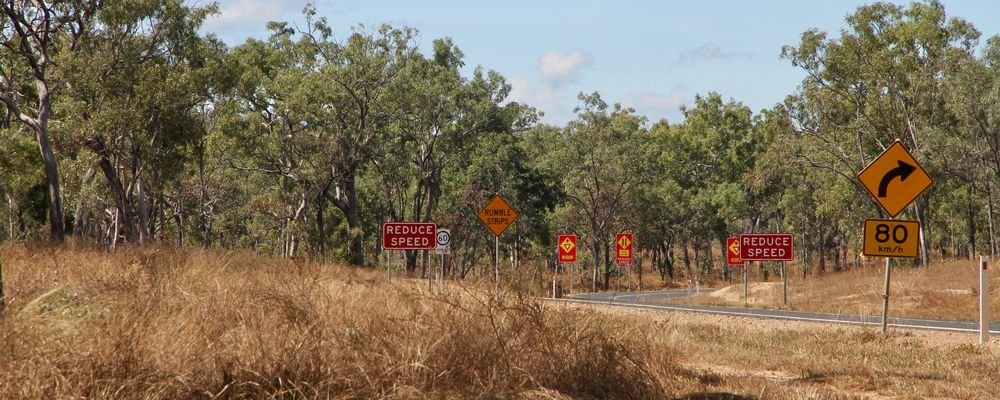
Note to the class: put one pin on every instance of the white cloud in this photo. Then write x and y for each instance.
(711, 51)
(559, 68)
(655, 105)
(247, 15)
(558, 71)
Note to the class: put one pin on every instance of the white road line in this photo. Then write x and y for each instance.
(786, 317)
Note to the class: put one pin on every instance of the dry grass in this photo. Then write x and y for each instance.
(162, 323)
(166, 323)
(769, 359)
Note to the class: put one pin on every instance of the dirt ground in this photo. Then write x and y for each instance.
(767, 358)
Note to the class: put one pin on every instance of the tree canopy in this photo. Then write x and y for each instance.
(122, 123)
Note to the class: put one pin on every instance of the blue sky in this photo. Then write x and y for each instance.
(651, 55)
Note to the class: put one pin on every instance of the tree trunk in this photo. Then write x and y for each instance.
(52, 180)
(920, 208)
(697, 261)
(989, 218)
(80, 216)
(348, 204)
(144, 231)
(320, 227)
(725, 258)
(179, 219)
(669, 260)
(607, 265)
(972, 224)
(822, 257)
(596, 249)
(124, 218)
(687, 259)
(836, 257)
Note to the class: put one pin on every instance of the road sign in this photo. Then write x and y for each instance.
(443, 240)
(890, 238)
(409, 235)
(497, 215)
(623, 248)
(733, 251)
(766, 246)
(895, 179)
(567, 248)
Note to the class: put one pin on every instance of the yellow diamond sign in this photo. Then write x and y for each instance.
(567, 248)
(497, 215)
(567, 245)
(623, 248)
(895, 179)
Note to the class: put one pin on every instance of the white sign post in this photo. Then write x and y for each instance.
(984, 300)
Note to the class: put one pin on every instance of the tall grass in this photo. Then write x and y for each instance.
(163, 323)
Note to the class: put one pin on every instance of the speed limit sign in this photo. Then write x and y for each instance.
(443, 239)
(891, 238)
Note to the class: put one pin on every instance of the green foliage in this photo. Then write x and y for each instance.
(302, 144)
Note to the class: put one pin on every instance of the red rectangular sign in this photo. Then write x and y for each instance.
(623, 248)
(409, 235)
(733, 251)
(766, 247)
(567, 248)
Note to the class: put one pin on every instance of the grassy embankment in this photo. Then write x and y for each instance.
(169, 323)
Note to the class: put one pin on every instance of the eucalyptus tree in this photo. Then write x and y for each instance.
(32, 33)
(320, 108)
(658, 211)
(710, 155)
(973, 95)
(605, 158)
(876, 83)
(499, 163)
(134, 87)
(444, 116)
(362, 76)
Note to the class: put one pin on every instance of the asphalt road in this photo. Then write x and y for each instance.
(654, 300)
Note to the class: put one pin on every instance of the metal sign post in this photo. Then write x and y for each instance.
(746, 285)
(497, 215)
(3, 300)
(885, 297)
(554, 281)
(443, 240)
(496, 265)
(894, 179)
(763, 247)
(784, 276)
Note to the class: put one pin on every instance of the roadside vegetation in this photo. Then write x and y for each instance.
(174, 323)
(186, 218)
(165, 323)
(124, 124)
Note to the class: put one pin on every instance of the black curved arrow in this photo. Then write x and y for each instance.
(903, 171)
